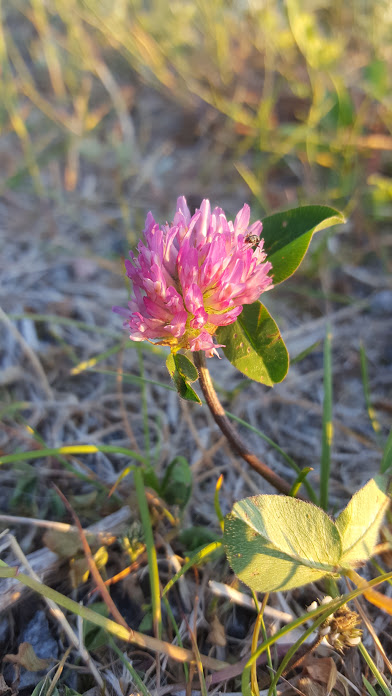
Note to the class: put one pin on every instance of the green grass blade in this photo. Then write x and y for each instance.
(65, 321)
(386, 461)
(132, 671)
(366, 390)
(299, 480)
(89, 478)
(115, 629)
(259, 626)
(71, 449)
(146, 641)
(217, 506)
(193, 561)
(92, 362)
(327, 436)
(312, 494)
(176, 631)
(374, 670)
(151, 552)
(144, 402)
(370, 689)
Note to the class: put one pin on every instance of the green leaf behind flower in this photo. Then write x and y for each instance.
(176, 487)
(287, 236)
(254, 346)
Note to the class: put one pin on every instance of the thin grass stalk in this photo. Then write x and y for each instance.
(90, 478)
(366, 390)
(128, 666)
(194, 561)
(218, 510)
(176, 631)
(259, 626)
(71, 449)
(151, 552)
(374, 670)
(144, 402)
(300, 480)
(327, 434)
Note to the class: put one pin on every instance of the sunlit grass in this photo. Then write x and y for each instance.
(297, 87)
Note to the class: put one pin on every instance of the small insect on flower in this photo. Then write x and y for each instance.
(252, 240)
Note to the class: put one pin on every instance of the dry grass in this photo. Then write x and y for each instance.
(99, 127)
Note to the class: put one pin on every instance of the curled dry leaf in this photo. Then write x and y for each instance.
(217, 635)
(27, 658)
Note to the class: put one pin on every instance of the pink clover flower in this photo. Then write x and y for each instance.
(194, 275)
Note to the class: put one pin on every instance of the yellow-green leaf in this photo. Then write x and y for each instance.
(359, 523)
(275, 542)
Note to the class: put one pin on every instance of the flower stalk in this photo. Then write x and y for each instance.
(230, 432)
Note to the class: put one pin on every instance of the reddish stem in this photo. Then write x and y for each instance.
(229, 431)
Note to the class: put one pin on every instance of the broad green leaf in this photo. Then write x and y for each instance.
(42, 688)
(254, 346)
(276, 542)
(360, 521)
(176, 486)
(95, 636)
(182, 371)
(287, 236)
(387, 455)
(151, 479)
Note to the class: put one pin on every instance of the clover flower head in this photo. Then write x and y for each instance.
(340, 629)
(194, 275)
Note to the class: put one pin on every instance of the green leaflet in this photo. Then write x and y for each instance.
(254, 346)
(287, 236)
(276, 542)
(360, 521)
(182, 371)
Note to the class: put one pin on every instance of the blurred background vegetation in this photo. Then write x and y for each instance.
(275, 102)
(111, 108)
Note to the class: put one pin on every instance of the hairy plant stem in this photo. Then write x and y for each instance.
(229, 431)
